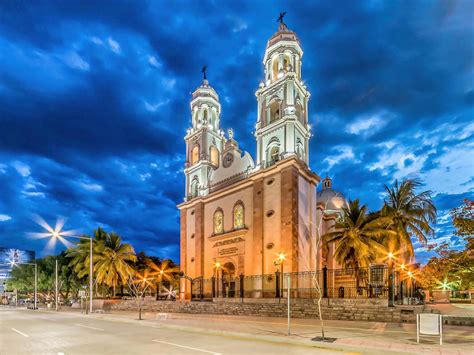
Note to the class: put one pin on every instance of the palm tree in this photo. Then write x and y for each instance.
(411, 215)
(79, 256)
(357, 236)
(111, 264)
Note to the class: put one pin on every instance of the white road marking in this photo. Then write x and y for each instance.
(16, 330)
(186, 347)
(86, 326)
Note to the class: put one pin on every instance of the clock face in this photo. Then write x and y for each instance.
(228, 159)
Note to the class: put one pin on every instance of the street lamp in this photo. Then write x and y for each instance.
(218, 266)
(58, 234)
(279, 262)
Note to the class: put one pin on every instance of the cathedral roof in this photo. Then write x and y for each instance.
(330, 199)
(283, 34)
(205, 90)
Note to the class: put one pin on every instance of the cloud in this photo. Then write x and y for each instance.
(154, 62)
(76, 62)
(91, 186)
(368, 124)
(343, 153)
(4, 217)
(21, 168)
(114, 45)
(100, 133)
(154, 107)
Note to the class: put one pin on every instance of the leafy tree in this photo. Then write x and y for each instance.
(357, 236)
(463, 219)
(451, 268)
(22, 277)
(411, 214)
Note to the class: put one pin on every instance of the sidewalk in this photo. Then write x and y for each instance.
(362, 337)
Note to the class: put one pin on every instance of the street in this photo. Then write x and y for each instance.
(36, 332)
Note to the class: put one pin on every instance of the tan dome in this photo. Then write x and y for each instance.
(329, 199)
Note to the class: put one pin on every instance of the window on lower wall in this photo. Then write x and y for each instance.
(239, 219)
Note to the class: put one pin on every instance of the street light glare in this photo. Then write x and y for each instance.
(390, 255)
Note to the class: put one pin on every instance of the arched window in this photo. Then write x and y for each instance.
(275, 68)
(195, 155)
(286, 63)
(274, 111)
(204, 116)
(218, 221)
(239, 219)
(274, 154)
(214, 153)
(194, 187)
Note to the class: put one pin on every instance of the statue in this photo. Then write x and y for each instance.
(230, 132)
(203, 71)
(280, 18)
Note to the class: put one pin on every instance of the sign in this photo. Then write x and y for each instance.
(429, 324)
(9, 257)
(229, 250)
(230, 247)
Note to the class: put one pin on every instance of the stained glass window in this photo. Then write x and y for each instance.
(218, 222)
(238, 216)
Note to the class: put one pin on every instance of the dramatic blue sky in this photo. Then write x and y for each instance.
(94, 103)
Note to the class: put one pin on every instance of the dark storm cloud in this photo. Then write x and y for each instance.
(94, 102)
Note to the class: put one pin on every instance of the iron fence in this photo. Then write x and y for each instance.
(377, 281)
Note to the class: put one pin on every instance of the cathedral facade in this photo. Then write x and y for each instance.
(242, 213)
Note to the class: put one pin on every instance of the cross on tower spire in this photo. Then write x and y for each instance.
(203, 71)
(280, 18)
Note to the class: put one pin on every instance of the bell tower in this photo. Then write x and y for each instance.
(204, 140)
(282, 128)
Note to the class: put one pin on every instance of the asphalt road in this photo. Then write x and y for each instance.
(34, 332)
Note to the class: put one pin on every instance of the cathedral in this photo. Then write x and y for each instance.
(253, 216)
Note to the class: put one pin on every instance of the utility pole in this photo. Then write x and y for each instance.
(56, 293)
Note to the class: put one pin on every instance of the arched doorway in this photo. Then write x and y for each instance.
(228, 280)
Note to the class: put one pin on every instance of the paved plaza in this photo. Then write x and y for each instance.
(68, 332)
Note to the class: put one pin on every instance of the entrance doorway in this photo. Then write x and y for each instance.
(228, 280)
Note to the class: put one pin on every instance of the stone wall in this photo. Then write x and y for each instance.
(341, 311)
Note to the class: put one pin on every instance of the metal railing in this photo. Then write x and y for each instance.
(362, 283)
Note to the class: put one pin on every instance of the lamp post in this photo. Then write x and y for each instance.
(217, 265)
(56, 285)
(279, 262)
(391, 300)
(338, 201)
(57, 235)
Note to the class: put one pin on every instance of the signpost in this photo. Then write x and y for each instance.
(429, 324)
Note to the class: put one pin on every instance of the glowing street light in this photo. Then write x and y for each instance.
(58, 234)
(279, 262)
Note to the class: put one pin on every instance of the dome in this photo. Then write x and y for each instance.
(329, 199)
